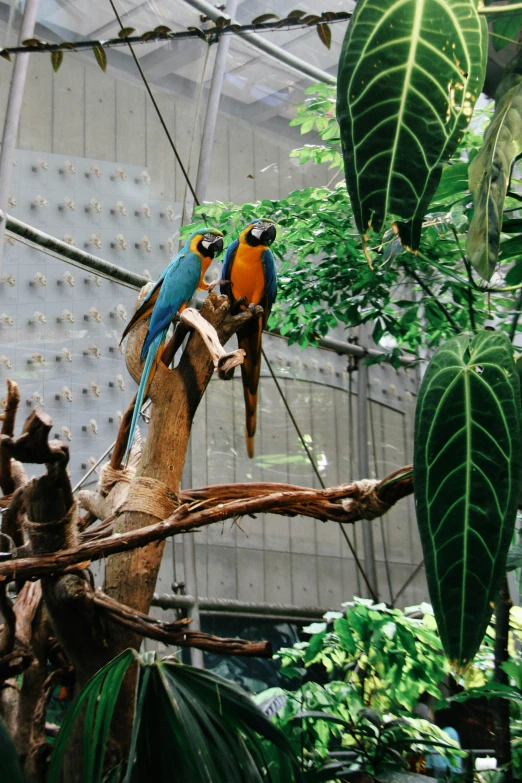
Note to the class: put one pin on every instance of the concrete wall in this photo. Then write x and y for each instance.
(82, 113)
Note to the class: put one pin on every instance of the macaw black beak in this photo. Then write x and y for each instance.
(268, 235)
(217, 247)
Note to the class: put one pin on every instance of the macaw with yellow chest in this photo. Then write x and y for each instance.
(170, 294)
(250, 272)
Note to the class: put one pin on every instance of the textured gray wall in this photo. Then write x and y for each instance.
(87, 116)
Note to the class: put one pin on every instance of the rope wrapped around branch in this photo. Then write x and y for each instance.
(150, 496)
(365, 502)
(109, 476)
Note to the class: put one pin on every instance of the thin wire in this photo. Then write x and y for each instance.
(407, 582)
(316, 470)
(384, 548)
(352, 452)
(158, 112)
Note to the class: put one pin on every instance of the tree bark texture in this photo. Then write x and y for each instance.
(501, 706)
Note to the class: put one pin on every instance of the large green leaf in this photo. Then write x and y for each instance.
(490, 172)
(98, 698)
(409, 75)
(467, 471)
(189, 725)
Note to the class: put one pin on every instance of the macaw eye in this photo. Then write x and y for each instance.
(263, 225)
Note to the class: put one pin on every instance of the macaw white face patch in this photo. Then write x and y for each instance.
(207, 240)
(260, 227)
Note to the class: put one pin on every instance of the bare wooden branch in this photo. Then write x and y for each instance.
(176, 634)
(399, 484)
(224, 362)
(33, 446)
(7, 483)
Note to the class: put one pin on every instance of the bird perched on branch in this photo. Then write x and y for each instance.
(250, 273)
(177, 283)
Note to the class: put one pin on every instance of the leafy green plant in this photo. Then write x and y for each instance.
(188, 725)
(388, 659)
(359, 678)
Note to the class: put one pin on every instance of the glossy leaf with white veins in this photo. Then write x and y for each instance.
(409, 75)
(467, 473)
(490, 173)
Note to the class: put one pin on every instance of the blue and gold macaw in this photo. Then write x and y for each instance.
(250, 272)
(173, 289)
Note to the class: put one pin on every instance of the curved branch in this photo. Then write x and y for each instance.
(352, 507)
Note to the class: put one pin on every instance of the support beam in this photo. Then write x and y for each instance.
(12, 115)
(209, 128)
(276, 52)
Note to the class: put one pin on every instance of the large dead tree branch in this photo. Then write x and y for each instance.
(355, 501)
(175, 633)
(7, 483)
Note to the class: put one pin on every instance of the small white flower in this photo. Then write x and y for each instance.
(121, 312)
(95, 240)
(121, 208)
(40, 279)
(95, 314)
(93, 426)
(170, 213)
(96, 170)
(11, 200)
(95, 205)
(93, 386)
(6, 320)
(145, 211)
(69, 239)
(145, 243)
(66, 355)
(121, 173)
(69, 278)
(145, 177)
(66, 432)
(41, 202)
(68, 316)
(121, 241)
(37, 399)
(39, 317)
(5, 362)
(66, 393)
(38, 358)
(8, 279)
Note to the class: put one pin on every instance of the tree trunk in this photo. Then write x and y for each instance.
(501, 706)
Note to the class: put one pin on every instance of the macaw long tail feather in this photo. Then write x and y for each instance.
(147, 374)
(249, 339)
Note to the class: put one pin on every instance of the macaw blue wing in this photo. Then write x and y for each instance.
(269, 268)
(179, 284)
(147, 305)
(227, 264)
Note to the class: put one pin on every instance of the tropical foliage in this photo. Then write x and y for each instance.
(188, 725)
(359, 678)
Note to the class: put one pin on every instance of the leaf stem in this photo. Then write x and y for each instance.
(516, 316)
(470, 278)
(501, 9)
(427, 290)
